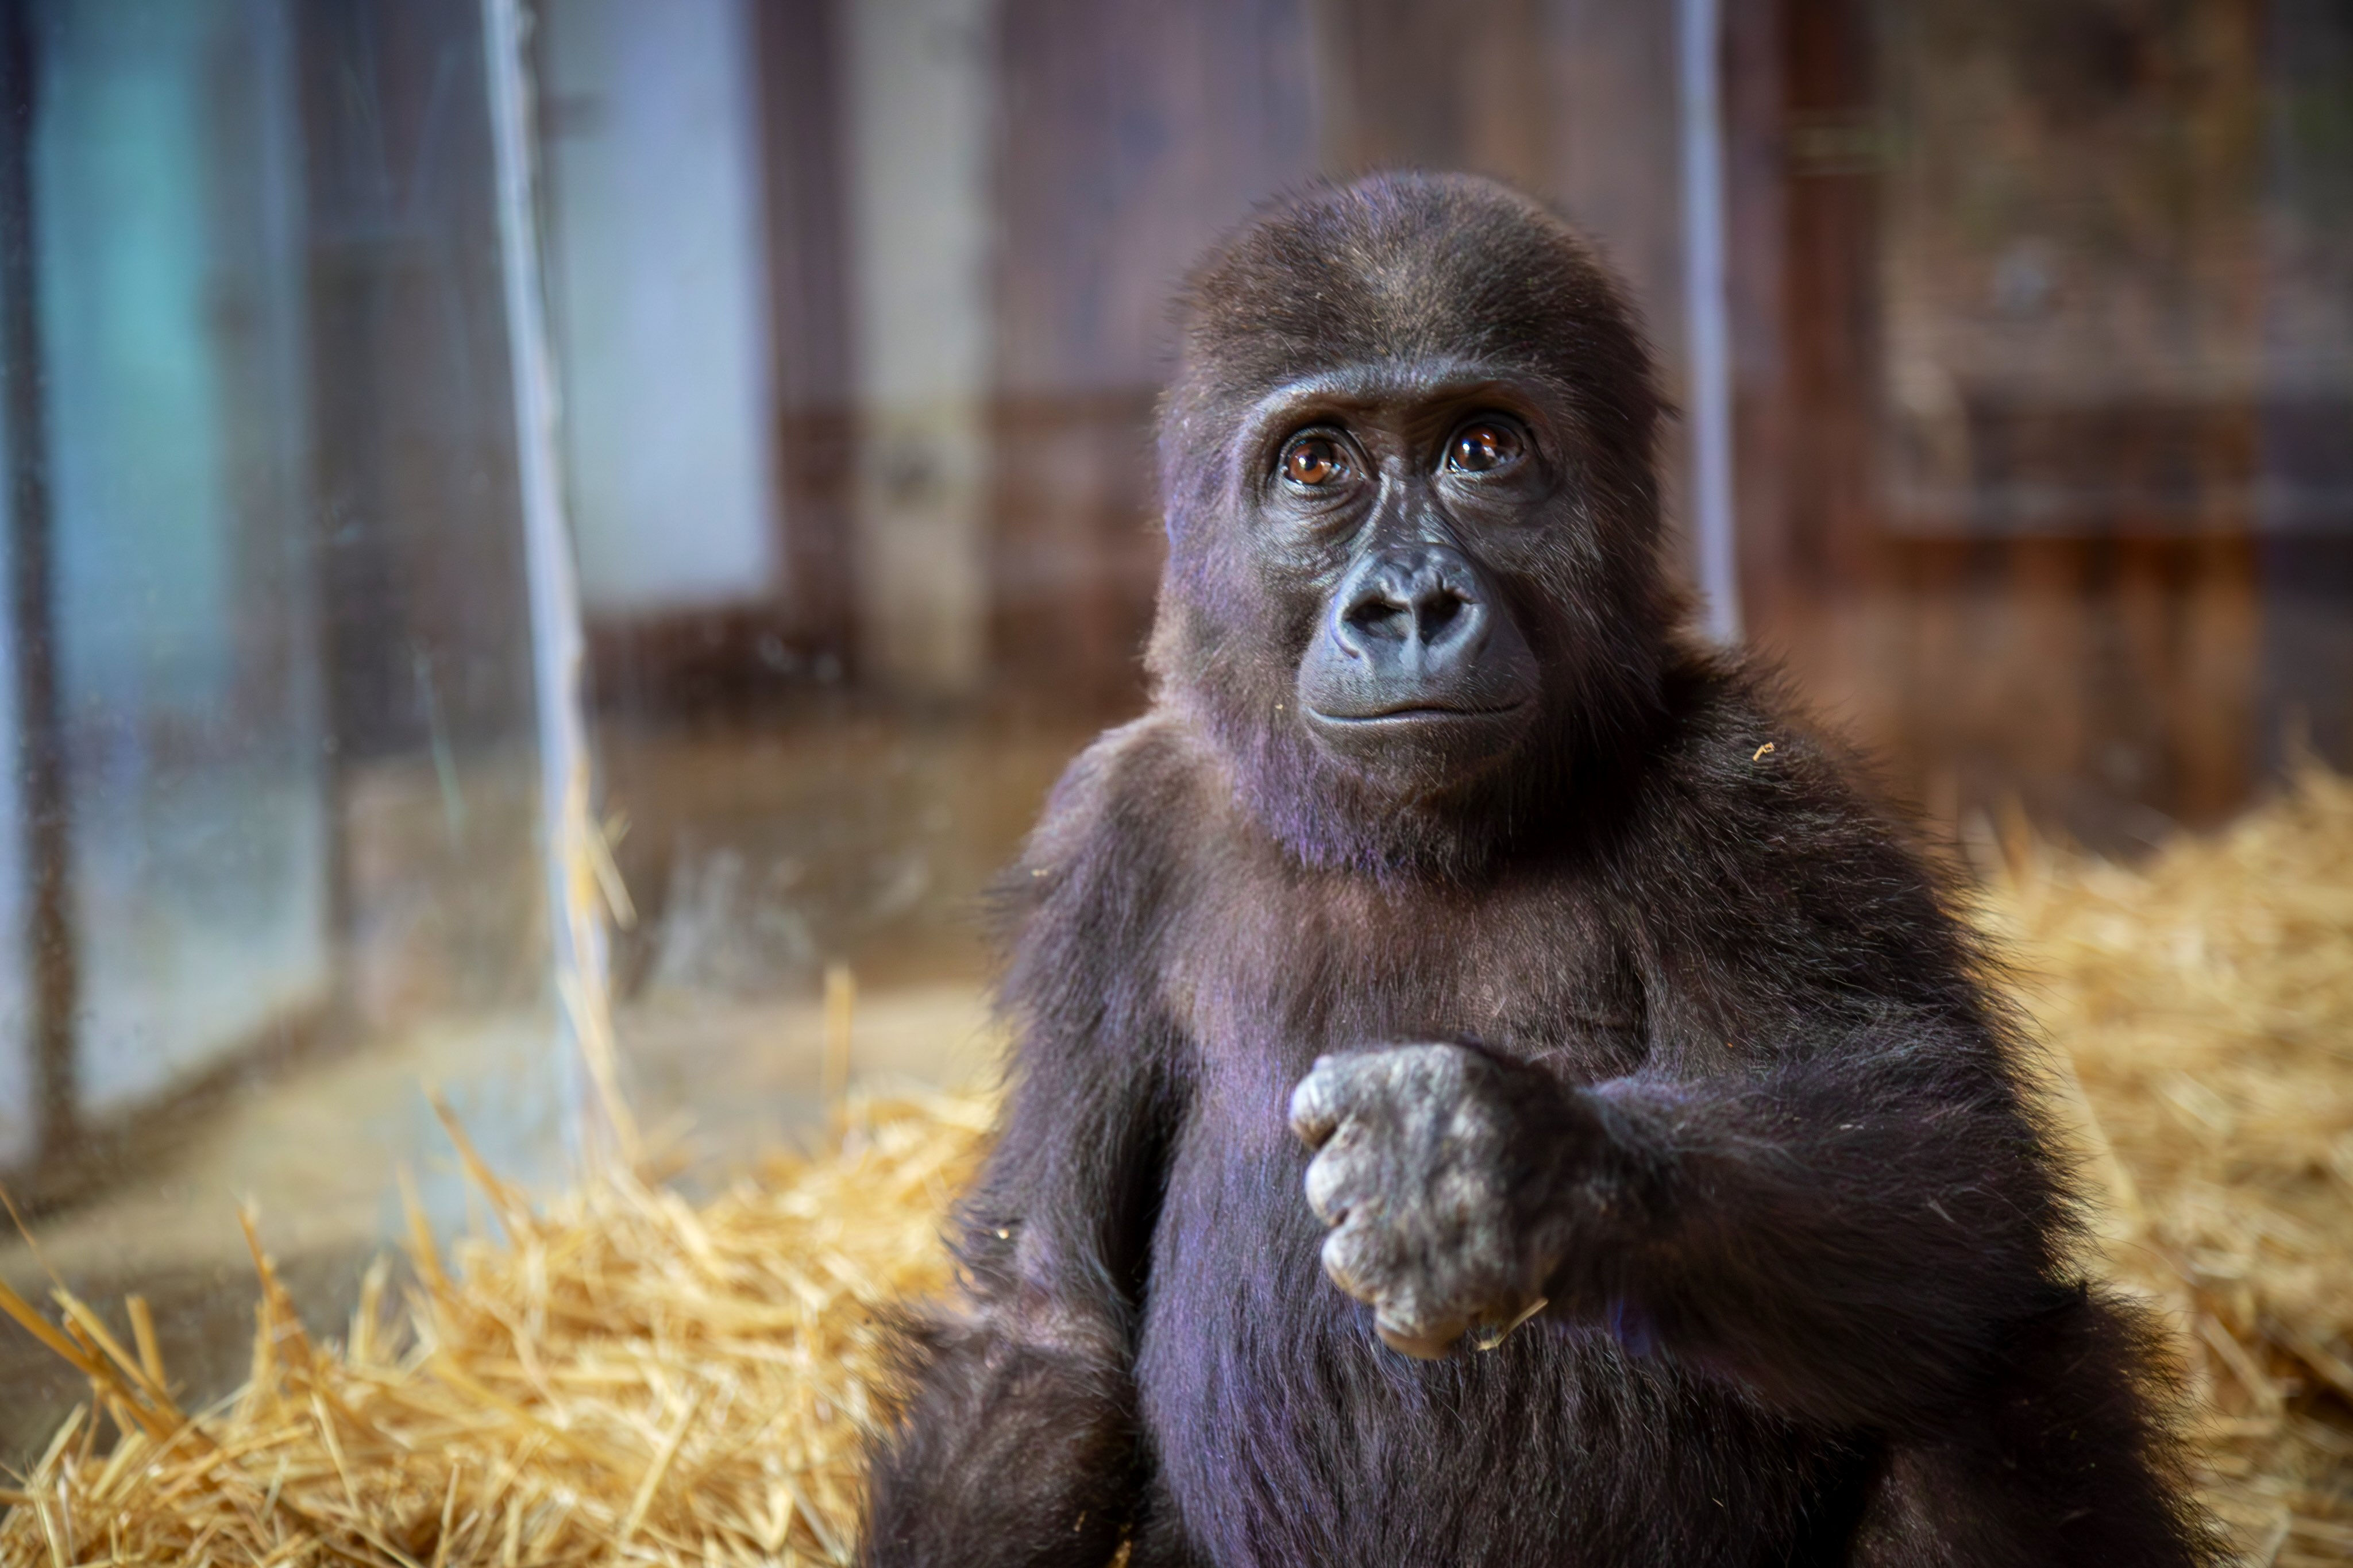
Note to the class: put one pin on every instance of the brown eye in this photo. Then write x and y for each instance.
(1313, 461)
(1483, 448)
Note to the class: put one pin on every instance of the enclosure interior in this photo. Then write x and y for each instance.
(2040, 319)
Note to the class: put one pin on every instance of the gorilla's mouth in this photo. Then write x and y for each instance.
(1415, 714)
(1417, 742)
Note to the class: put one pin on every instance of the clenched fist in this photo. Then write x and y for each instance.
(1438, 1169)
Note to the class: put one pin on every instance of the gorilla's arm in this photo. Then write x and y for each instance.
(1017, 1444)
(1846, 1234)
(1851, 1234)
(1826, 1181)
(1016, 1441)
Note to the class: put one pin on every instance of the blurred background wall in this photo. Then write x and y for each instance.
(2041, 362)
(2042, 379)
(2040, 321)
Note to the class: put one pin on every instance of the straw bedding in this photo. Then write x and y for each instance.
(2200, 1008)
(625, 1377)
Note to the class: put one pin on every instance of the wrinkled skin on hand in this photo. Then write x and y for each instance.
(1438, 1169)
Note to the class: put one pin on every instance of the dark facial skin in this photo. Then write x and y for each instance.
(1473, 1100)
(1406, 512)
(1554, 536)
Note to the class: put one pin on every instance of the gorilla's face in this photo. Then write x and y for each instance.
(1412, 586)
(1401, 519)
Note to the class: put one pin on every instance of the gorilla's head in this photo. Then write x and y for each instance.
(1412, 590)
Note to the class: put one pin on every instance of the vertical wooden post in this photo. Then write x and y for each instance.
(804, 165)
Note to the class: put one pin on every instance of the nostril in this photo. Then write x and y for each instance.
(1377, 617)
(1439, 611)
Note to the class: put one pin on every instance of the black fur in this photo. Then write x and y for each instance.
(1719, 1078)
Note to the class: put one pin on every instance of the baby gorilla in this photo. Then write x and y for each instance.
(1643, 1090)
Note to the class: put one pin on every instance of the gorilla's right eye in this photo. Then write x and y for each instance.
(1313, 461)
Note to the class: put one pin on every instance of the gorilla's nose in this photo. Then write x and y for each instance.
(1417, 644)
(1416, 610)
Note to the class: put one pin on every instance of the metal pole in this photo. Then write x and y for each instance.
(44, 802)
(573, 851)
(1707, 316)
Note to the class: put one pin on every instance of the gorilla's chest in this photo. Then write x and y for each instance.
(1279, 972)
(1285, 1433)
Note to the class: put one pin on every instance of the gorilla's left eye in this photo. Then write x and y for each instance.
(1484, 445)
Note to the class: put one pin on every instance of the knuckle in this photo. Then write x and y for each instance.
(1442, 1064)
(1424, 1341)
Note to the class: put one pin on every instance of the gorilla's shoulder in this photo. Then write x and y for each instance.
(1758, 837)
(1737, 737)
(1120, 798)
(1100, 872)
(1746, 773)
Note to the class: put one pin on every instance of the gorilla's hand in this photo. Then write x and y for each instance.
(1438, 1169)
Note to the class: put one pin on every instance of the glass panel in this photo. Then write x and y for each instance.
(20, 1067)
(171, 325)
(299, 838)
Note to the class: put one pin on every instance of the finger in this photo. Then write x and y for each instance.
(1360, 1259)
(1320, 1103)
(1335, 1177)
(1360, 1081)
(1339, 1087)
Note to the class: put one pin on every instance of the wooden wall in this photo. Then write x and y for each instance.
(1132, 134)
(2112, 659)
(2129, 653)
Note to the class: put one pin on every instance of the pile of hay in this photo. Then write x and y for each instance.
(625, 1378)
(2202, 1006)
(629, 1378)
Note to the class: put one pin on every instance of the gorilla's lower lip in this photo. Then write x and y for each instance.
(1416, 713)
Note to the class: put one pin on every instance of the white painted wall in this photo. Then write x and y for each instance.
(658, 296)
